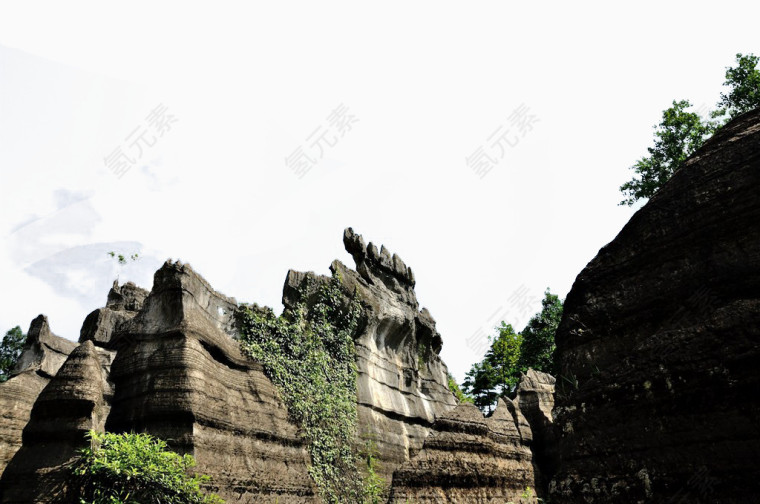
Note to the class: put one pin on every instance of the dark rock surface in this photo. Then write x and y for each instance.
(659, 383)
(75, 401)
(402, 385)
(124, 302)
(470, 459)
(42, 356)
(535, 398)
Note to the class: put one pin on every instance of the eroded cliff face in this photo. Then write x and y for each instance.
(179, 375)
(471, 459)
(167, 362)
(402, 384)
(163, 363)
(42, 356)
(659, 388)
(75, 400)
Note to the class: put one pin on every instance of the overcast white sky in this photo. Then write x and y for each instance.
(560, 96)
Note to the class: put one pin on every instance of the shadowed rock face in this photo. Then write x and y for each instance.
(42, 356)
(73, 402)
(659, 388)
(124, 302)
(535, 398)
(402, 384)
(470, 459)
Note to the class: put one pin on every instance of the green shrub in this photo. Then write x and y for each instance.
(134, 468)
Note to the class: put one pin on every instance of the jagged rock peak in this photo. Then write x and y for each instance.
(43, 350)
(372, 264)
(173, 271)
(127, 297)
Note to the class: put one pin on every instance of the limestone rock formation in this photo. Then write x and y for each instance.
(471, 459)
(42, 356)
(165, 364)
(402, 384)
(75, 401)
(43, 352)
(659, 385)
(124, 302)
(535, 398)
(180, 376)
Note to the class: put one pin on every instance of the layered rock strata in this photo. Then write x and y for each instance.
(471, 459)
(535, 398)
(402, 384)
(659, 383)
(42, 356)
(123, 303)
(165, 364)
(180, 376)
(75, 401)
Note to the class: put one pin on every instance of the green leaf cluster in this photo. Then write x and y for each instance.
(681, 131)
(676, 138)
(309, 355)
(134, 469)
(10, 351)
(512, 354)
(457, 391)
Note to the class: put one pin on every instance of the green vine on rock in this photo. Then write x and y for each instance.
(309, 355)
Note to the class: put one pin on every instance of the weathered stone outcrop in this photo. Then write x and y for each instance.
(42, 356)
(659, 386)
(535, 398)
(123, 303)
(44, 352)
(471, 459)
(180, 376)
(402, 382)
(165, 364)
(75, 401)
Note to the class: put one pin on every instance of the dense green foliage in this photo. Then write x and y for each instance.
(676, 138)
(537, 350)
(743, 82)
(10, 350)
(512, 354)
(374, 484)
(457, 391)
(134, 469)
(681, 132)
(309, 355)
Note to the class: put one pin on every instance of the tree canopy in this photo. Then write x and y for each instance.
(10, 350)
(681, 131)
(678, 135)
(512, 354)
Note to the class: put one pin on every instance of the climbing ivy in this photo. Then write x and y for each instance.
(309, 355)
